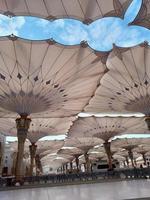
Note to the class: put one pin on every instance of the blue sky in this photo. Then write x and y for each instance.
(100, 35)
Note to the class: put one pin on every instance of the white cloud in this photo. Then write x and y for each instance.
(132, 11)
(42, 23)
(10, 26)
(16, 24)
(104, 32)
(73, 34)
(59, 23)
(108, 31)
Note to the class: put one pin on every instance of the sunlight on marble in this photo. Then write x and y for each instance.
(102, 191)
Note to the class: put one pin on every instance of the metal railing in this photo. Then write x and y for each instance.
(54, 179)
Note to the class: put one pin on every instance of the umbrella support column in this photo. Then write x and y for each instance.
(107, 146)
(144, 158)
(77, 162)
(71, 167)
(32, 149)
(131, 157)
(22, 125)
(87, 162)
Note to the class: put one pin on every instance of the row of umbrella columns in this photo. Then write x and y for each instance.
(85, 149)
(126, 148)
(105, 129)
(38, 129)
(76, 153)
(87, 164)
(130, 154)
(22, 125)
(143, 153)
(34, 158)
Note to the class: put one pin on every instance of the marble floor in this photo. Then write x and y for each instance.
(139, 189)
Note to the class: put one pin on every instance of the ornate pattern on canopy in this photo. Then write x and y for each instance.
(42, 79)
(83, 143)
(106, 128)
(126, 87)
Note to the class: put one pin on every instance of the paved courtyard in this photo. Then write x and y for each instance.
(103, 191)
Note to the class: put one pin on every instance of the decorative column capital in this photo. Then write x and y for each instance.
(23, 123)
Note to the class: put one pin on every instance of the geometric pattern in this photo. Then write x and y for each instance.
(47, 127)
(127, 144)
(83, 143)
(39, 127)
(43, 79)
(70, 151)
(126, 87)
(51, 145)
(106, 127)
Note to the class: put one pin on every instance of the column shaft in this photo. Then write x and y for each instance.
(71, 167)
(131, 157)
(19, 160)
(127, 161)
(87, 162)
(1, 158)
(77, 162)
(32, 149)
(107, 147)
(22, 124)
(38, 165)
(144, 158)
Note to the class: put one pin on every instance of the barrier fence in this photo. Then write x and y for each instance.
(78, 177)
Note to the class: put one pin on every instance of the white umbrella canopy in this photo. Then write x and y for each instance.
(101, 150)
(47, 152)
(42, 79)
(119, 157)
(8, 127)
(141, 149)
(71, 151)
(122, 153)
(124, 156)
(55, 157)
(126, 143)
(64, 156)
(13, 146)
(106, 128)
(52, 9)
(97, 155)
(143, 17)
(46, 127)
(52, 164)
(91, 158)
(97, 149)
(145, 142)
(51, 145)
(83, 143)
(39, 127)
(125, 88)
